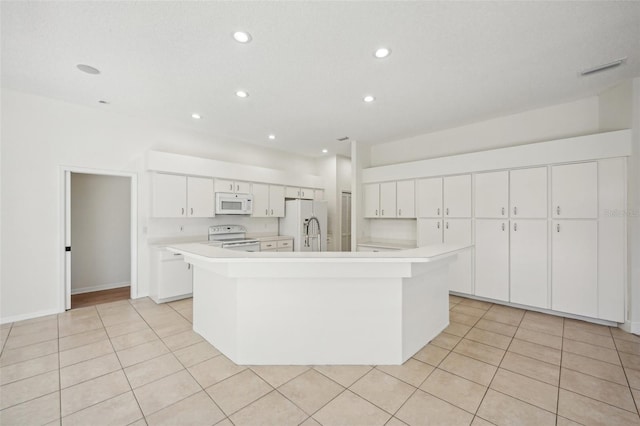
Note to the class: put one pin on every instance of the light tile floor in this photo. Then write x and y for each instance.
(135, 362)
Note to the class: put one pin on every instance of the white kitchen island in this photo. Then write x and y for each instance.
(319, 308)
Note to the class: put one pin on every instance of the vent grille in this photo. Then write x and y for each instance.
(342, 139)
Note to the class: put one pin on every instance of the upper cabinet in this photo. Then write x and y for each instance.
(302, 193)
(406, 199)
(528, 193)
(372, 200)
(268, 200)
(574, 191)
(182, 196)
(222, 185)
(429, 197)
(388, 199)
(457, 196)
(492, 194)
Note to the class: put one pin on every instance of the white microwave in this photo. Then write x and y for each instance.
(231, 203)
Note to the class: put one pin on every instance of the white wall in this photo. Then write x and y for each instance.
(554, 122)
(41, 134)
(100, 232)
(633, 214)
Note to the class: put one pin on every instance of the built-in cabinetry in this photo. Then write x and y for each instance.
(302, 193)
(171, 277)
(268, 200)
(277, 245)
(182, 196)
(223, 185)
(390, 200)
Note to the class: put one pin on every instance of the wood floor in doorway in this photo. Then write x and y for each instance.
(97, 297)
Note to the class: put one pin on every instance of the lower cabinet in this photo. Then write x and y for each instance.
(574, 267)
(171, 278)
(492, 259)
(458, 231)
(528, 261)
(277, 245)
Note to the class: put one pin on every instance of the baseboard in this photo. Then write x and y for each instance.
(631, 327)
(31, 315)
(99, 288)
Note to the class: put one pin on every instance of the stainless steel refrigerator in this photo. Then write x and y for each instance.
(306, 222)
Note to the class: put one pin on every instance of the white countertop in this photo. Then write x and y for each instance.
(273, 238)
(389, 244)
(203, 251)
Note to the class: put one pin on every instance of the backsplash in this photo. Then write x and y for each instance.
(392, 229)
(199, 227)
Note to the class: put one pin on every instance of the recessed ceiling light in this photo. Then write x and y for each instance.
(382, 52)
(88, 69)
(272, 137)
(241, 94)
(324, 151)
(368, 98)
(242, 37)
(196, 116)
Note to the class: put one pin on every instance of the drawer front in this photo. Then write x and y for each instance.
(268, 245)
(285, 249)
(285, 244)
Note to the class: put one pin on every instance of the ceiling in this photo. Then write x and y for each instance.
(310, 64)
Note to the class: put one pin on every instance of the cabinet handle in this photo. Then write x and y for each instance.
(230, 187)
(376, 212)
(238, 188)
(188, 266)
(447, 225)
(382, 212)
(438, 224)
(558, 228)
(271, 212)
(192, 211)
(447, 211)
(399, 212)
(515, 226)
(558, 210)
(515, 211)
(503, 211)
(266, 212)
(438, 211)
(182, 214)
(503, 226)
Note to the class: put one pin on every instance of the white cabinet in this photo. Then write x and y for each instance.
(528, 193)
(268, 200)
(171, 277)
(574, 268)
(200, 197)
(372, 200)
(429, 232)
(281, 245)
(223, 185)
(388, 199)
(429, 197)
(406, 199)
(528, 260)
(302, 193)
(318, 194)
(458, 231)
(169, 197)
(492, 194)
(492, 259)
(457, 196)
(574, 191)
(182, 196)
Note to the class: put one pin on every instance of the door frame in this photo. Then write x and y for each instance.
(65, 228)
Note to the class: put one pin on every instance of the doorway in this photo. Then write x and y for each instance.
(345, 221)
(100, 251)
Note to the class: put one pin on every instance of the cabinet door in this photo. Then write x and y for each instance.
(306, 193)
(169, 195)
(175, 279)
(242, 187)
(276, 201)
(529, 263)
(429, 197)
(318, 194)
(260, 200)
(200, 198)
(492, 259)
(457, 231)
(457, 196)
(292, 192)
(429, 232)
(574, 282)
(388, 199)
(372, 200)
(528, 193)
(492, 194)
(574, 191)
(406, 198)
(222, 185)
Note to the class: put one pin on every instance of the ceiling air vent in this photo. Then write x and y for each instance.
(345, 138)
